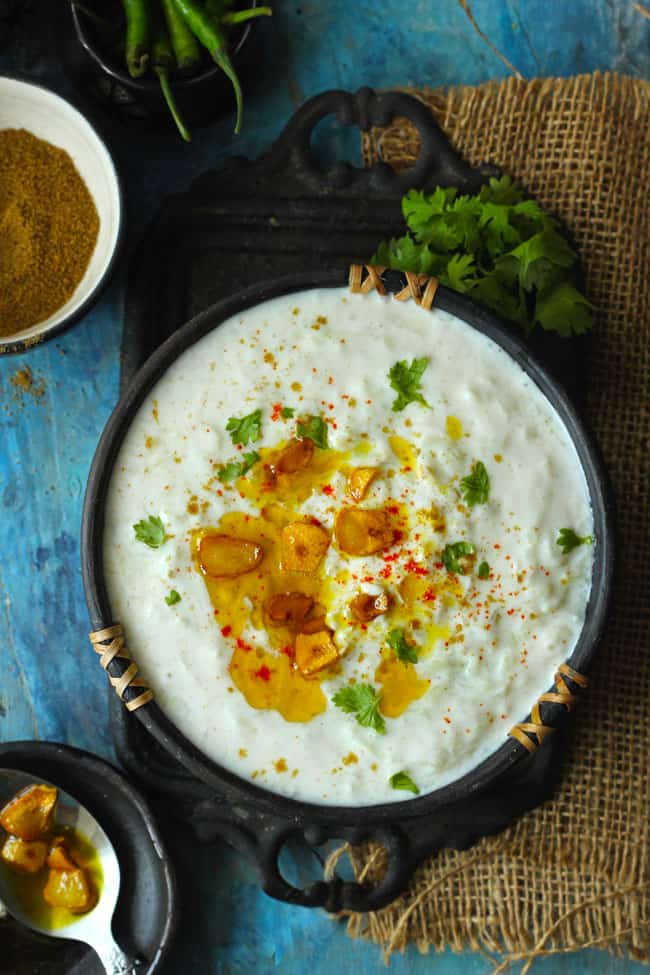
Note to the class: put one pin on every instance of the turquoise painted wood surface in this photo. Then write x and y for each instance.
(48, 433)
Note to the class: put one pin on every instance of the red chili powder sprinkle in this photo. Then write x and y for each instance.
(328, 489)
(428, 595)
(418, 570)
(263, 673)
(277, 411)
(386, 572)
(287, 651)
(242, 645)
(225, 630)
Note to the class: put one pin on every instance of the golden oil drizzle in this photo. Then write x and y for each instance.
(405, 452)
(28, 888)
(270, 683)
(400, 685)
(454, 428)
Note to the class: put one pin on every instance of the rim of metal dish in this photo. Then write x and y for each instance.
(152, 716)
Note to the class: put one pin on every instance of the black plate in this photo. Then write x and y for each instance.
(146, 913)
(385, 821)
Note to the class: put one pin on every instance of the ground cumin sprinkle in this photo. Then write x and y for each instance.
(48, 229)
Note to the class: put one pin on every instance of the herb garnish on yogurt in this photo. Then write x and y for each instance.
(476, 486)
(313, 428)
(363, 701)
(237, 468)
(151, 531)
(406, 652)
(456, 557)
(568, 540)
(245, 429)
(405, 380)
(402, 780)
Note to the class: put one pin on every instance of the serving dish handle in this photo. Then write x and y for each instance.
(437, 159)
(261, 838)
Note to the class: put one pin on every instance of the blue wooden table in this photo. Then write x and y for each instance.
(50, 684)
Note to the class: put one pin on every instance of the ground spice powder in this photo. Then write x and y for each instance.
(48, 229)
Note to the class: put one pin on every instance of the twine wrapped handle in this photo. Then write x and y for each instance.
(110, 644)
(420, 287)
(561, 695)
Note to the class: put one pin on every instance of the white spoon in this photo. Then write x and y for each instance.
(93, 928)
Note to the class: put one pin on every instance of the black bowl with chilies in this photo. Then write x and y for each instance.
(257, 820)
(202, 97)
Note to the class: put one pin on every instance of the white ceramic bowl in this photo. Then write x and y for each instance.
(48, 116)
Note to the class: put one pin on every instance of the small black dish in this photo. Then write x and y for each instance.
(201, 97)
(147, 910)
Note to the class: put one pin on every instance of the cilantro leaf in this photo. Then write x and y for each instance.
(501, 190)
(460, 272)
(237, 468)
(484, 571)
(172, 598)
(564, 310)
(151, 531)
(403, 253)
(313, 428)
(363, 701)
(476, 486)
(568, 540)
(405, 651)
(405, 380)
(287, 412)
(547, 246)
(245, 429)
(455, 557)
(402, 780)
(496, 245)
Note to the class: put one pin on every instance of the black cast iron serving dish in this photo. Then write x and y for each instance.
(257, 820)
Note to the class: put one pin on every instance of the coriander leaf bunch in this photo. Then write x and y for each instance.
(496, 246)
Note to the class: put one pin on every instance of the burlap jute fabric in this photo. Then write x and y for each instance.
(576, 871)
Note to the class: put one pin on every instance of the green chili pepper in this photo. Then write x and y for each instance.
(137, 36)
(162, 58)
(213, 38)
(240, 16)
(184, 43)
